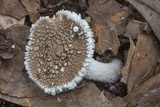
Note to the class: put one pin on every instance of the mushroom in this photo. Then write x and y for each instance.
(59, 54)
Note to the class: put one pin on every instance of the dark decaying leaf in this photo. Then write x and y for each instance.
(109, 20)
(149, 13)
(12, 8)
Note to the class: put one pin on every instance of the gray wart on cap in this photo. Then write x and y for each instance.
(59, 51)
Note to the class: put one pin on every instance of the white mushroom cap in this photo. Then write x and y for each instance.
(59, 51)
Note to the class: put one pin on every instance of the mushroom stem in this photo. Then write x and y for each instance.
(104, 72)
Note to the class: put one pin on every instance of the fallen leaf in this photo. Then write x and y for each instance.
(154, 4)
(119, 16)
(107, 38)
(103, 97)
(126, 68)
(158, 69)
(150, 99)
(133, 97)
(6, 55)
(50, 2)
(114, 101)
(8, 21)
(144, 60)
(19, 34)
(32, 7)
(102, 1)
(109, 20)
(151, 71)
(14, 81)
(6, 47)
(151, 16)
(12, 8)
(102, 13)
(134, 28)
(89, 96)
(39, 101)
(107, 98)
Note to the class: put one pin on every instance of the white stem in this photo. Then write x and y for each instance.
(105, 72)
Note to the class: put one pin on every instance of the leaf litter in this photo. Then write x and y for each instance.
(116, 30)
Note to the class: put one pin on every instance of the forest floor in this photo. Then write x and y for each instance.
(125, 29)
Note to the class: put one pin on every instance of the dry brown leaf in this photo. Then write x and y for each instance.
(158, 69)
(6, 55)
(151, 71)
(107, 99)
(39, 101)
(109, 20)
(32, 7)
(13, 80)
(19, 34)
(102, 1)
(6, 47)
(12, 8)
(102, 13)
(134, 28)
(103, 97)
(119, 16)
(144, 60)
(150, 99)
(107, 38)
(133, 97)
(11, 70)
(50, 3)
(154, 4)
(8, 21)
(88, 96)
(113, 101)
(151, 16)
(126, 68)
